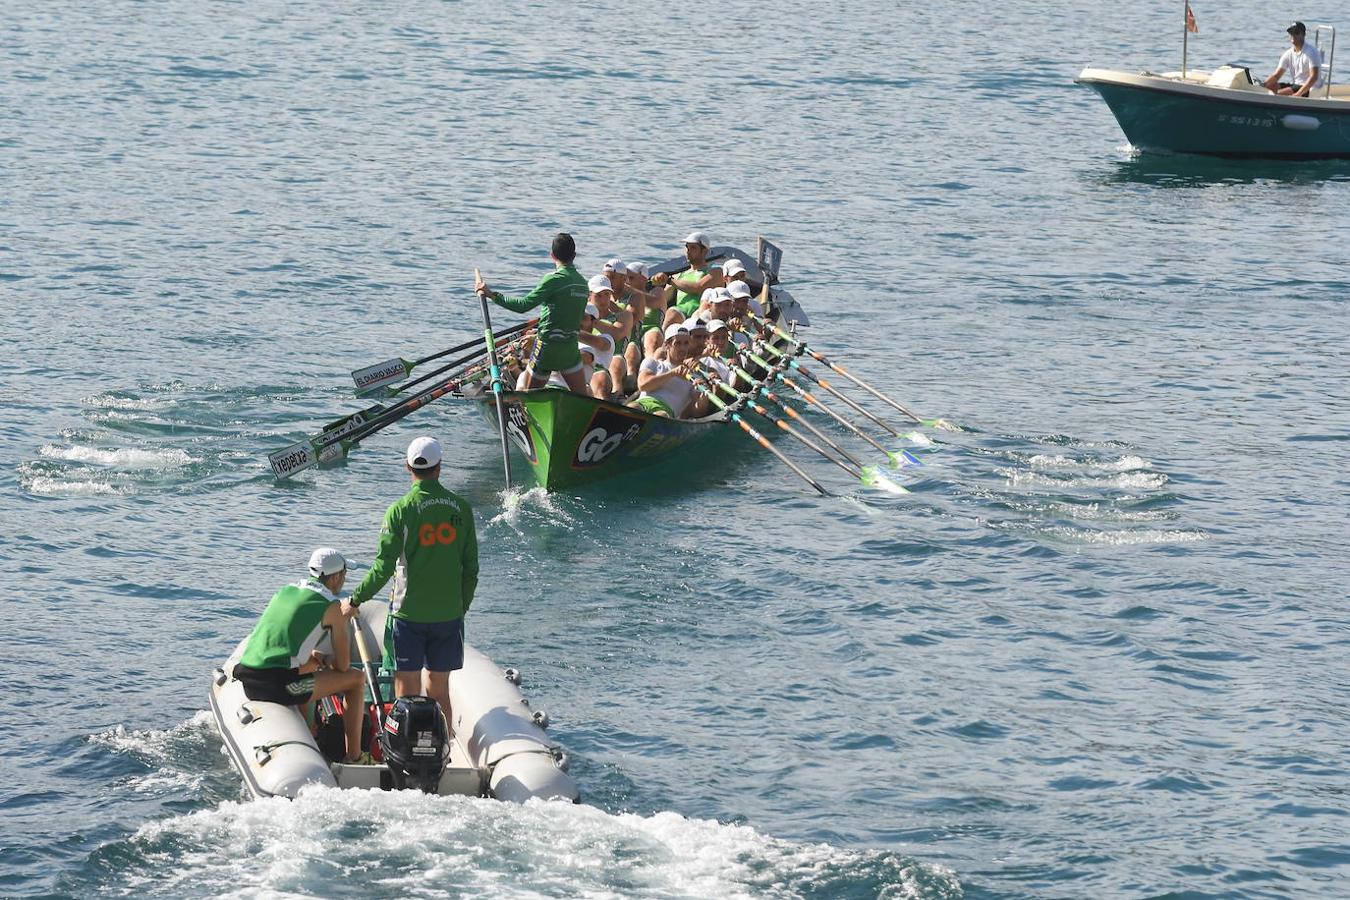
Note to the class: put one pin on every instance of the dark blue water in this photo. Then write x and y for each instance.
(1099, 650)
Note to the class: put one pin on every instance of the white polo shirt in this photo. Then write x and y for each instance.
(1298, 64)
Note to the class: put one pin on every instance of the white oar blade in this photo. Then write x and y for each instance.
(872, 477)
(299, 457)
(381, 375)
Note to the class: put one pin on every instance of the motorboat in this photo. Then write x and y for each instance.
(498, 746)
(1225, 112)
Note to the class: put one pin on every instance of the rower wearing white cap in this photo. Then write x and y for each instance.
(429, 545)
(615, 322)
(697, 278)
(600, 348)
(281, 662)
(744, 298)
(664, 383)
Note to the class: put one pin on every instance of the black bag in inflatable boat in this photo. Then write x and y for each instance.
(416, 746)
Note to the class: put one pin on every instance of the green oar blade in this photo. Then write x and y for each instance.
(381, 375)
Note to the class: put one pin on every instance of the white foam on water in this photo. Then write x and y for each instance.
(1059, 461)
(1120, 480)
(112, 401)
(519, 506)
(919, 439)
(124, 458)
(1093, 511)
(406, 844)
(163, 749)
(45, 484)
(1072, 535)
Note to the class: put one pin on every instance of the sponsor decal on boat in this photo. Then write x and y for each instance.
(518, 429)
(608, 430)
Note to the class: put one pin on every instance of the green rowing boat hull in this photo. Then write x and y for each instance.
(571, 440)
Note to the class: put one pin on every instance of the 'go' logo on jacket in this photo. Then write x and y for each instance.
(430, 534)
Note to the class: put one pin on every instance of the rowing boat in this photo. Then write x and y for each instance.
(569, 440)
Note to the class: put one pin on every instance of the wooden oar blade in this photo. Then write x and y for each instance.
(374, 378)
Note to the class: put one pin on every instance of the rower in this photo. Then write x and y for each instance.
(597, 351)
(281, 663)
(612, 321)
(688, 286)
(563, 295)
(665, 387)
(717, 350)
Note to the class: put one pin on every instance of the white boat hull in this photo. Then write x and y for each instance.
(499, 749)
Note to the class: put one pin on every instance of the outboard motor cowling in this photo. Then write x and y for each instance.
(416, 747)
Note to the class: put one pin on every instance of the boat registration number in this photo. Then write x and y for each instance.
(1254, 121)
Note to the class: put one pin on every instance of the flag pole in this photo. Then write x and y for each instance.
(1185, 34)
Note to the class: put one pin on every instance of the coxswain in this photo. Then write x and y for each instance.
(562, 293)
(429, 542)
(281, 662)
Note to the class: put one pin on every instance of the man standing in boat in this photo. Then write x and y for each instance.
(428, 541)
(281, 664)
(562, 293)
(1301, 61)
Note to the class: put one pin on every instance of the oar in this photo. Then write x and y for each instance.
(806, 423)
(867, 475)
(368, 667)
(818, 403)
(372, 378)
(759, 438)
(496, 379)
(477, 354)
(933, 423)
(848, 401)
(332, 444)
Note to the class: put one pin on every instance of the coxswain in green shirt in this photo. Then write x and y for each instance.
(562, 293)
(429, 545)
(281, 662)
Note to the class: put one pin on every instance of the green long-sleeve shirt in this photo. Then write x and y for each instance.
(428, 539)
(563, 295)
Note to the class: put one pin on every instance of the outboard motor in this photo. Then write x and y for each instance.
(416, 746)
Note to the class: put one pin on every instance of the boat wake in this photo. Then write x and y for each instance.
(331, 842)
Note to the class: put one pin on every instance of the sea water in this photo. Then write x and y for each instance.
(1098, 650)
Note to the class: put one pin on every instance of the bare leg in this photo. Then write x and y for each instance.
(600, 385)
(673, 317)
(618, 372)
(576, 381)
(351, 687)
(651, 342)
(437, 687)
(632, 357)
(407, 684)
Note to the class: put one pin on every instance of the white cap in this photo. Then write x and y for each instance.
(638, 269)
(692, 325)
(615, 265)
(586, 348)
(732, 266)
(697, 237)
(599, 283)
(721, 295)
(424, 453)
(716, 325)
(326, 561)
(708, 294)
(592, 310)
(674, 329)
(739, 290)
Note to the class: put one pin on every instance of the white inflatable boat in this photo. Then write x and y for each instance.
(499, 748)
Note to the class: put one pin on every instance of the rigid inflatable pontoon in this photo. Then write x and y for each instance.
(499, 747)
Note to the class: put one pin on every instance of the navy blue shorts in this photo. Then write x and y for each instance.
(436, 646)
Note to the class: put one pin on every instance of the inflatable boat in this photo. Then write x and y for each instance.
(499, 746)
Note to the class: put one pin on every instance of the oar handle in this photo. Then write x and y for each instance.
(369, 668)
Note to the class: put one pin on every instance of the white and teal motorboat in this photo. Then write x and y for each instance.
(1225, 112)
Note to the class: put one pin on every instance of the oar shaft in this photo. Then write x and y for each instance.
(505, 332)
(806, 423)
(839, 369)
(759, 438)
(844, 398)
(496, 376)
(369, 668)
(816, 402)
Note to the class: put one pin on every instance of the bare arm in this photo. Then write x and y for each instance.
(336, 622)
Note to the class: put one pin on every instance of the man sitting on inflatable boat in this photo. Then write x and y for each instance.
(280, 663)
